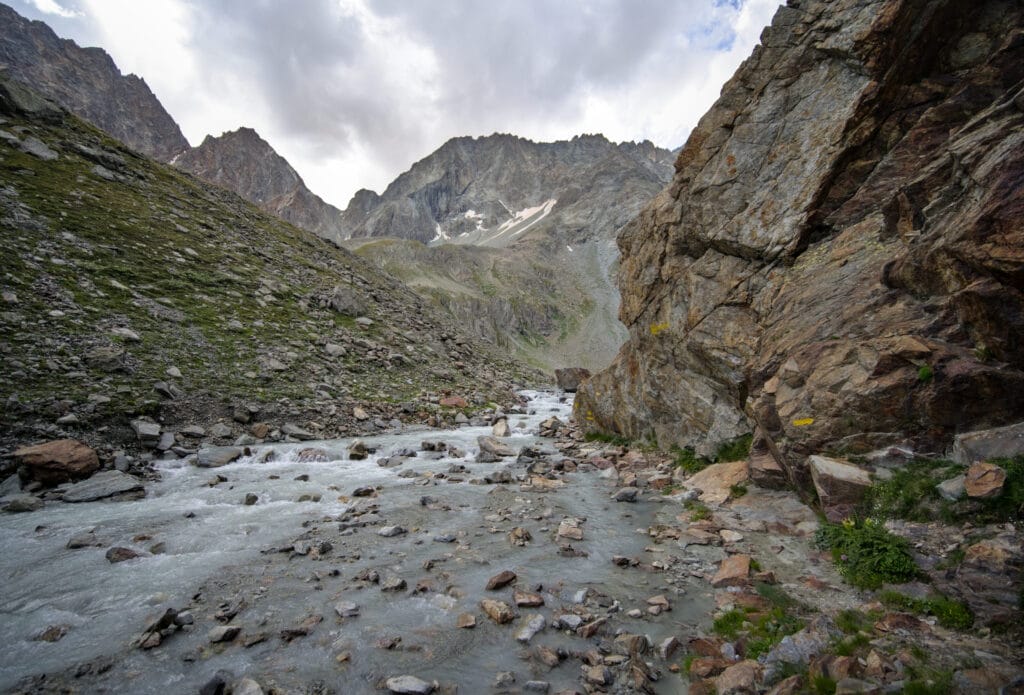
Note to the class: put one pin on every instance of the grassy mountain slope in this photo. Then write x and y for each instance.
(120, 272)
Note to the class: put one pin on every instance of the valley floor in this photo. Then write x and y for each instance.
(300, 568)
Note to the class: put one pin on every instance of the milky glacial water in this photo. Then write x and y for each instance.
(217, 550)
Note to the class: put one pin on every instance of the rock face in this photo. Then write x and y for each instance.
(570, 378)
(87, 82)
(245, 163)
(838, 259)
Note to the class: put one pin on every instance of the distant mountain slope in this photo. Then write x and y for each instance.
(245, 163)
(87, 82)
(549, 212)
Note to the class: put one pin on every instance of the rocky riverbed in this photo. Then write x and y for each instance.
(455, 561)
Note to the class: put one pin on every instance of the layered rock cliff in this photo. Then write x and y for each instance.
(87, 82)
(490, 190)
(839, 260)
(245, 163)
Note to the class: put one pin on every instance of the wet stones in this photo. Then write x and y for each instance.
(525, 599)
(490, 445)
(466, 621)
(346, 609)
(393, 584)
(409, 685)
(215, 457)
(534, 624)
(626, 494)
(501, 580)
(519, 536)
(498, 611)
(391, 531)
(251, 498)
(120, 554)
(357, 450)
(571, 528)
(223, 633)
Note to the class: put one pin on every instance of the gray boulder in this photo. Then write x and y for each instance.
(106, 485)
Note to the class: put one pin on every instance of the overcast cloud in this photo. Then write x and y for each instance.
(352, 92)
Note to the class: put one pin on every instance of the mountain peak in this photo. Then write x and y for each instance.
(87, 82)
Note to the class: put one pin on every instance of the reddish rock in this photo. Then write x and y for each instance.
(501, 580)
(738, 678)
(984, 481)
(58, 461)
(734, 571)
(454, 402)
(498, 611)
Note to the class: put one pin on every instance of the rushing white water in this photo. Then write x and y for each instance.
(209, 535)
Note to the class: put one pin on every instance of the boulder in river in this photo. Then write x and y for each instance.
(570, 378)
(409, 685)
(492, 446)
(58, 461)
(217, 456)
(110, 485)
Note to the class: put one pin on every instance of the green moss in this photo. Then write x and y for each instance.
(738, 490)
(866, 553)
(925, 373)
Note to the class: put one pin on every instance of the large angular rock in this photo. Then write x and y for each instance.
(492, 446)
(715, 481)
(734, 571)
(840, 485)
(982, 445)
(570, 378)
(984, 480)
(58, 461)
(106, 485)
(217, 456)
(813, 268)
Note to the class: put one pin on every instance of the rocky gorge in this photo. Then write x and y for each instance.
(237, 458)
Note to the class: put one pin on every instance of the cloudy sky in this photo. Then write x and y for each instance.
(352, 92)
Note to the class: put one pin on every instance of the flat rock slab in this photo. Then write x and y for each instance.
(106, 485)
(734, 571)
(981, 445)
(215, 457)
(715, 481)
(409, 685)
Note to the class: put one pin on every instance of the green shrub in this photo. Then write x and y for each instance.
(867, 554)
(734, 450)
(738, 490)
(851, 621)
(937, 683)
(688, 460)
(823, 685)
(925, 373)
(954, 615)
(910, 493)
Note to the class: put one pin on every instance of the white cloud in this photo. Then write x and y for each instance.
(54, 8)
(352, 92)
